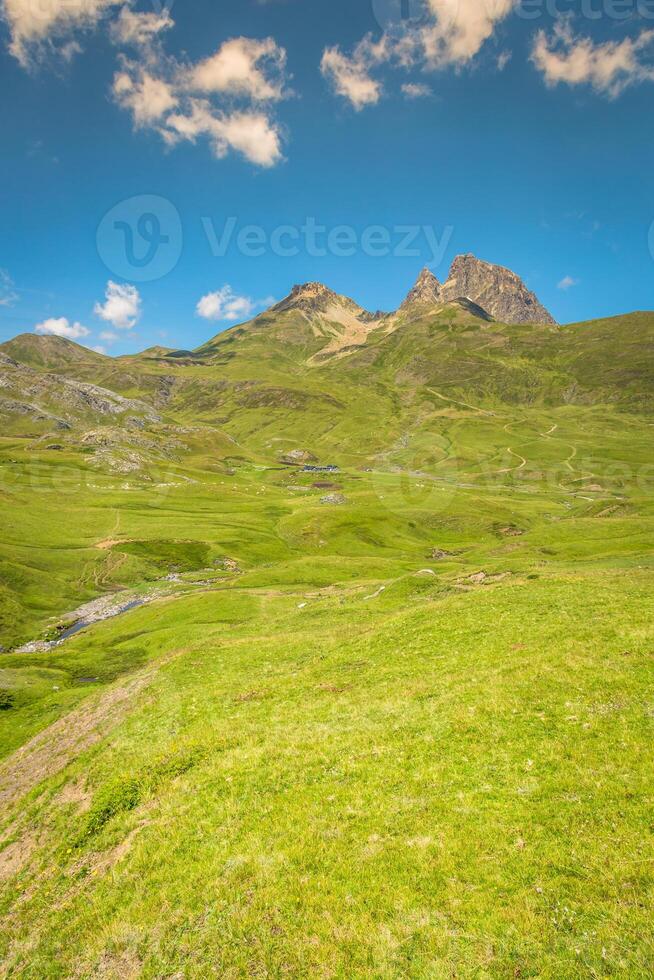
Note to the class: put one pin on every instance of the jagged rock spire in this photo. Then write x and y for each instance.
(500, 293)
(497, 290)
(426, 292)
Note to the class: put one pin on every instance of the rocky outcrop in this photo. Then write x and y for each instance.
(55, 400)
(500, 292)
(486, 291)
(426, 292)
(101, 401)
(315, 298)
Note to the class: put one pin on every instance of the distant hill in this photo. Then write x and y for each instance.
(318, 362)
(49, 353)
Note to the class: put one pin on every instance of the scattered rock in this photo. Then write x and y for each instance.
(438, 554)
(478, 578)
(298, 456)
(38, 646)
(229, 564)
(511, 531)
(333, 499)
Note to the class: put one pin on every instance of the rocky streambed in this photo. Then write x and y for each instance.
(110, 606)
(96, 611)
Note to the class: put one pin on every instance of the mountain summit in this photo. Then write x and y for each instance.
(497, 291)
(314, 298)
(426, 292)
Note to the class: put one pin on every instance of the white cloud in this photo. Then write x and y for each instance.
(38, 24)
(109, 336)
(225, 305)
(139, 29)
(350, 77)
(609, 68)
(148, 98)
(8, 295)
(242, 66)
(567, 283)
(99, 349)
(503, 59)
(416, 90)
(219, 97)
(458, 30)
(250, 133)
(122, 306)
(453, 33)
(60, 327)
(253, 134)
(186, 101)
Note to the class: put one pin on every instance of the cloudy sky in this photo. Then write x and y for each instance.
(168, 171)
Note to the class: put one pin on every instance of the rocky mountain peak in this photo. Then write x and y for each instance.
(315, 298)
(426, 292)
(497, 290)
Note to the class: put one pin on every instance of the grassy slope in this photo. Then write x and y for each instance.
(454, 785)
(308, 773)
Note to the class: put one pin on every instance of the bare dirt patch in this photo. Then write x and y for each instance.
(109, 543)
(14, 857)
(51, 750)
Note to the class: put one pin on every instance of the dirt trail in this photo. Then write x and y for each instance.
(112, 539)
(453, 401)
(56, 746)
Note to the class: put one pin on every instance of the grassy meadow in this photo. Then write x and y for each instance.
(392, 721)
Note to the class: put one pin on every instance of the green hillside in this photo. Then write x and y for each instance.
(376, 700)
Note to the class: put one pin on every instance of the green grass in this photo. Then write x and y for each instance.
(336, 754)
(456, 787)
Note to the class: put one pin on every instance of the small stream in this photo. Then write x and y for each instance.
(90, 614)
(106, 607)
(83, 623)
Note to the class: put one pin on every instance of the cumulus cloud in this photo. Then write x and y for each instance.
(8, 295)
(243, 66)
(250, 133)
(567, 283)
(225, 305)
(148, 98)
(457, 30)
(36, 25)
(416, 90)
(122, 306)
(139, 29)
(350, 76)
(609, 68)
(452, 32)
(219, 99)
(60, 327)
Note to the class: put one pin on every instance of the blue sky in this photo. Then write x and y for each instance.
(524, 139)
